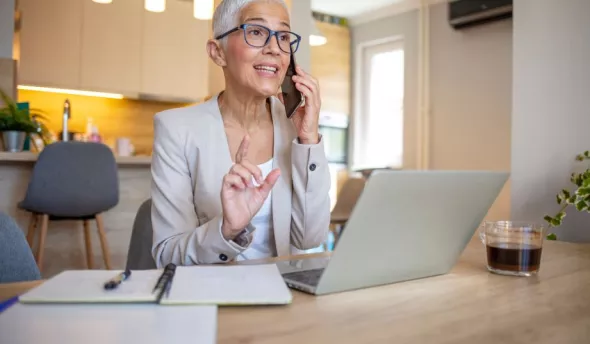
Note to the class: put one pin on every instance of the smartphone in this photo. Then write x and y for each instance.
(292, 98)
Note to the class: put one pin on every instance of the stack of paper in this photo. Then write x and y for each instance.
(104, 324)
(229, 285)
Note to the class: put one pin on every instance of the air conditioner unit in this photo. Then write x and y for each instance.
(467, 13)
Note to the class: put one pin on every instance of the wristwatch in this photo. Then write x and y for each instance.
(243, 239)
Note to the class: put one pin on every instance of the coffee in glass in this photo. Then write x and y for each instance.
(513, 247)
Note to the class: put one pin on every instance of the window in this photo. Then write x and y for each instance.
(379, 117)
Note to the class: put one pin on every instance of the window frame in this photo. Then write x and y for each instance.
(361, 76)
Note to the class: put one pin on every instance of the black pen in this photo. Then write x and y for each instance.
(165, 281)
(114, 283)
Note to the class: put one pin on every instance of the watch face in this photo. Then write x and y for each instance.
(242, 238)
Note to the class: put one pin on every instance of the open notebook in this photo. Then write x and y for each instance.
(219, 285)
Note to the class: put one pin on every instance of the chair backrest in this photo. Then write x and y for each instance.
(17, 263)
(139, 256)
(73, 179)
(347, 198)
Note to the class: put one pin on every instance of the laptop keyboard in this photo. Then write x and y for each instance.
(310, 277)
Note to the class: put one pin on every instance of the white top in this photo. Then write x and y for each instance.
(263, 238)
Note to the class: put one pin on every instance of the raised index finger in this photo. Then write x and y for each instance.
(243, 149)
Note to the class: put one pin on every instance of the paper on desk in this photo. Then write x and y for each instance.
(87, 286)
(108, 324)
(229, 285)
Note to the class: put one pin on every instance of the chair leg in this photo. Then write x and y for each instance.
(103, 241)
(43, 234)
(88, 244)
(32, 229)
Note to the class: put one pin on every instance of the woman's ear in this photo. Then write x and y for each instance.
(216, 52)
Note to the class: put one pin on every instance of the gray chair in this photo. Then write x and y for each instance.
(349, 194)
(17, 263)
(72, 181)
(139, 256)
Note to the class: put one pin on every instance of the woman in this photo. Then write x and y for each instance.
(234, 178)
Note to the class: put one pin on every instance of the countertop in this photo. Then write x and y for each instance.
(140, 160)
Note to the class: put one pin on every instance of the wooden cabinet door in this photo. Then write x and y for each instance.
(50, 41)
(330, 64)
(174, 57)
(111, 46)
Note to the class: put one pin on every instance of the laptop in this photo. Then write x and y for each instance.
(405, 225)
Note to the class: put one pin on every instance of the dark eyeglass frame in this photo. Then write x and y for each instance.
(294, 44)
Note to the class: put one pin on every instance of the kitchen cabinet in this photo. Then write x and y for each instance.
(331, 64)
(173, 56)
(50, 43)
(110, 55)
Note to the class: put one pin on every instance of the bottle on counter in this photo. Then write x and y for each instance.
(91, 134)
(94, 135)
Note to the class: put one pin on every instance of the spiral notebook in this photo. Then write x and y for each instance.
(214, 285)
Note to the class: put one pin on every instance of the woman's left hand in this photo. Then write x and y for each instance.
(306, 118)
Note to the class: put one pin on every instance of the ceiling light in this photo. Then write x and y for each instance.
(316, 38)
(203, 9)
(103, 1)
(155, 5)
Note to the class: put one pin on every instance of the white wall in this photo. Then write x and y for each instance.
(471, 99)
(551, 108)
(6, 28)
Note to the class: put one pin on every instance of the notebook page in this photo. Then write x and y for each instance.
(229, 285)
(82, 286)
(108, 324)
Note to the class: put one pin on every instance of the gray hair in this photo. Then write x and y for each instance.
(227, 14)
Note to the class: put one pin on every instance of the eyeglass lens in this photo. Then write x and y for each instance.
(257, 36)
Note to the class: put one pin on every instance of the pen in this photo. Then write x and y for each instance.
(6, 304)
(165, 281)
(115, 281)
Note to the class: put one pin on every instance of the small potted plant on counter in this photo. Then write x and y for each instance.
(16, 124)
(579, 198)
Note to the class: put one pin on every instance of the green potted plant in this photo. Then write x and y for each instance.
(579, 198)
(16, 124)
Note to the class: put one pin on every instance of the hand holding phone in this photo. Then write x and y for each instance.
(298, 89)
(292, 98)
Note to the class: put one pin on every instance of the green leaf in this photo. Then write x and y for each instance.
(559, 199)
(571, 200)
(560, 215)
(581, 206)
(577, 179)
(548, 218)
(565, 193)
(587, 154)
(552, 236)
(555, 222)
(583, 191)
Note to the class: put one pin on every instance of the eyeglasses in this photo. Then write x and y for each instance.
(258, 36)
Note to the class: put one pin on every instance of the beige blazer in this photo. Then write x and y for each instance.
(190, 158)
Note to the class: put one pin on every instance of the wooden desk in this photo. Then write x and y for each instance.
(468, 305)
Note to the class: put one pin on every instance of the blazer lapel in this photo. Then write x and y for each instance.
(281, 192)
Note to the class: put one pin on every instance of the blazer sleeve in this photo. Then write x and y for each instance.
(178, 236)
(310, 219)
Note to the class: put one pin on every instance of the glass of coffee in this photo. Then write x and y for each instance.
(513, 247)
